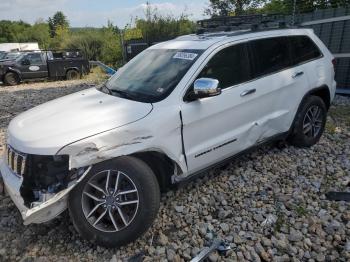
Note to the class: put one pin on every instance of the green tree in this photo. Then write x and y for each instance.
(232, 7)
(39, 32)
(13, 31)
(156, 27)
(301, 6)
(96, 44)
(59, 20)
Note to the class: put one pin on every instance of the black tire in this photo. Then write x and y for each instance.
(72, 75)
(11, 79)
(302, 135)
(147, 208)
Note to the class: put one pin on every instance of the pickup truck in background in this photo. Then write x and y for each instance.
(54, 65)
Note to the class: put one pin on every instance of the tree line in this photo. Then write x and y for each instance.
(105, 44)
(287, 7)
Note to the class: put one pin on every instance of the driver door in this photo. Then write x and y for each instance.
(215, 128)
(33, 65)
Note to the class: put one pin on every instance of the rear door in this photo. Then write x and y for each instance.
(308, 58)
(33, 65)
(279, 83)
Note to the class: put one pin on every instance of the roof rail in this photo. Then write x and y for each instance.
(245, 22)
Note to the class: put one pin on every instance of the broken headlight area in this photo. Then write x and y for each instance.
(45, 176)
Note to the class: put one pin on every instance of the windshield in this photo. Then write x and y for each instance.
(153, 74)
(19, 58)
(12, 55)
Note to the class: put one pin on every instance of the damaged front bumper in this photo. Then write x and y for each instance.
(43, 212)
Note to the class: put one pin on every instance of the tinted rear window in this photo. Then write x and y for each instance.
(303, 49)
(270, 55)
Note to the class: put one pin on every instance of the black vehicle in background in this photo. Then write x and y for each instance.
(9, 55)
(43, 64)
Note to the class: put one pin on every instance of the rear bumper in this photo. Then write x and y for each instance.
(38, 214)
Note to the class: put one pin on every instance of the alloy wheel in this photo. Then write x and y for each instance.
(110, 201)
(313, 120)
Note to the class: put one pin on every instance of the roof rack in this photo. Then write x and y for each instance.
(244, 22)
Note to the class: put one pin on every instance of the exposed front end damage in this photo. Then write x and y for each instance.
(38, 185)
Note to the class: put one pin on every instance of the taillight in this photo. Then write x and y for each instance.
(334, 62)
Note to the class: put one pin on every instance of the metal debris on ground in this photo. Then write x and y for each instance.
(218, 245)
(338, 196)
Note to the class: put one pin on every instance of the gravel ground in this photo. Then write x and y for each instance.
(270, 204)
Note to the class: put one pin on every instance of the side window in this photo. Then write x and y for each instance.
(303, 49)
(270, 55)
(34, 59)
(230, 66)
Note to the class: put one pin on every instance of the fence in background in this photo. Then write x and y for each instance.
(332, 26)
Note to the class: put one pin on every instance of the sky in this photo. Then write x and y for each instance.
(96, 13)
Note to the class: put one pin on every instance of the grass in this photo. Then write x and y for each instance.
(279, 223)
(340, 114)
(300, 210)
(96, 76)
(330, 127)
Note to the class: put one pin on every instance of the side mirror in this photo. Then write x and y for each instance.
(26, 62)
(204, 87)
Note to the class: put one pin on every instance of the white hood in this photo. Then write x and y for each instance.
(47, 128)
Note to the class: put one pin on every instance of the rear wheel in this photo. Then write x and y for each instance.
(11, 78)
(309, 123)
(116, 202)
(72, 75)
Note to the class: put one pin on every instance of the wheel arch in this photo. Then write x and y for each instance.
(14, 70)
(322, 92)
(162, 166)
(74, 68)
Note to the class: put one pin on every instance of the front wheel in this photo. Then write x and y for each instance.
(116, 202)
(309, 123)
(11, 79)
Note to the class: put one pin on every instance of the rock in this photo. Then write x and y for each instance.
(258, 218)
(114, 259)
(295, 235)
(213, 257)
(320, 258)
(332, 227)
(225, 227)
(347, 246)
(170, 254)
(179, 209)
(307, 242)
(160, 251)
(269, 221)
(237, 239)
(163, 239)
(195, 251)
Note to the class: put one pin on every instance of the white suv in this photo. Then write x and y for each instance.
(177, 109)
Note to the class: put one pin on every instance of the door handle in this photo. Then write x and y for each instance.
(248, 92)
(298, 74)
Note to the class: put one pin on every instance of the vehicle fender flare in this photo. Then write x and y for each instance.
(307, 94)
(73, 68)
(14, 70)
